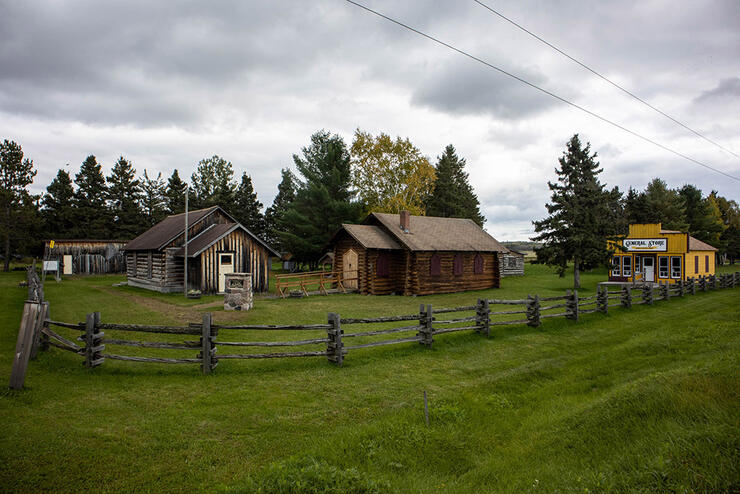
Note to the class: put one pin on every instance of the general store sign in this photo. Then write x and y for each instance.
(646, 244)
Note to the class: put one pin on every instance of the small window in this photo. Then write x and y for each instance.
(706, 263)
(511, 262)
(225, 258)
(382, 265)
(696, 264)
(616, 268)
(638, 265)
(478, 264)
(457, 266)
(676, 267)
(663, 267)
(435, 265)
(627, 266)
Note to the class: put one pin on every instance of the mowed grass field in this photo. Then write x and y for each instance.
(640, 400)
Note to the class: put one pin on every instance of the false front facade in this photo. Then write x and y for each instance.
(652, 254)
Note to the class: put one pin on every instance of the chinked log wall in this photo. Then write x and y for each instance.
(334, 342)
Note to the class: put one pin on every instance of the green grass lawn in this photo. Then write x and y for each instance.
(640, 400)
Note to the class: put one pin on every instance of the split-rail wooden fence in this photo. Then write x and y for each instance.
(337, 336)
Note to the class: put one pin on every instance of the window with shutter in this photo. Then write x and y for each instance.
(435, 265)
(478, 264)
(457, 266)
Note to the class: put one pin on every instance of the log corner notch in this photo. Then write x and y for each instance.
(93, 341)
(335, 348)
(208, 344)
(483, 317)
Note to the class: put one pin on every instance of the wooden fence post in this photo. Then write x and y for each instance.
(681, 288)
(533, 311)
(666, 291)
(29, 320)
(483, 317)
(335, 347)
(571, 305)
(207, 345)
(692, 286)
(647, 294)
(426, 325)
(626, 297)
(38, 330)
(93, 341)
(703, 283)
(602, 299)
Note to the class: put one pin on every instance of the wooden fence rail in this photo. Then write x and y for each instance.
(36, 327)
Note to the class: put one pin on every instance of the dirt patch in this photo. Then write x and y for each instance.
(183, 315)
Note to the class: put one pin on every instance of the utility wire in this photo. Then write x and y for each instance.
(606, 78)
(538, 88)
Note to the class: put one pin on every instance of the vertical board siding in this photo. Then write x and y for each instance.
(249, 256)
(91, 257)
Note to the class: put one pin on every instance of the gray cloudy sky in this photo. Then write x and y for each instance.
(166, 84)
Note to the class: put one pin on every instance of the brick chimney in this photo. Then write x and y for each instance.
(405, 220)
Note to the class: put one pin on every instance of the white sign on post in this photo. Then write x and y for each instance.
(646, 244)
(51, 265)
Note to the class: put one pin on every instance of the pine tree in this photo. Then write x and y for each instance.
(636, 208)
(92, 217)
(213, 183)
(581, 215)
(247, 209)
(453, 196)
(58, 207)
(124, 192)
(323, 199)
(17, 206)
(153, 199)
(175, 195)
(283, 199)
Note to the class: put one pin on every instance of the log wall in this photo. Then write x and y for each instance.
(511, 264)
(423, 283)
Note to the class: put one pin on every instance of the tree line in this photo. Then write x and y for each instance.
(334, 184)
(582, 212)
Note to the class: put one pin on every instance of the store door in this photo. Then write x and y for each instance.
(648, 267)
(225, 266)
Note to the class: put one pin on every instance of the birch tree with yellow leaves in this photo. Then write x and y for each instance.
(390, 175)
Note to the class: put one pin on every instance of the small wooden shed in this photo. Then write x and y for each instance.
(421, 255)
(217, 245)
(86, 256)
(512, 263)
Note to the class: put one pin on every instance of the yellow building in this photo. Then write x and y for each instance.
(656, 255)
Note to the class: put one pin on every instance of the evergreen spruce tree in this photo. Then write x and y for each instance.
(665, 206)
(153, 199)
(92, 216)
(636, 207)
(124, 193)
(581, 215)
(18, 214)
(703, 216)
(213, 184)
(323, 199)
(273, 214)
(247, 208)
(175, 195)
(57, 207)
(453, 196)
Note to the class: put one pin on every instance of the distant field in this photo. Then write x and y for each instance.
(641, 400)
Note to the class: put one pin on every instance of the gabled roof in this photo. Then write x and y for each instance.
(173, 226)
(431, 233)
(167, 230)
(696, 244)
(371, 237)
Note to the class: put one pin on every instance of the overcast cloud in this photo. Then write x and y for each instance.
(167, 85)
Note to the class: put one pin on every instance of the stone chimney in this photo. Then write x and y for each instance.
(405, 221)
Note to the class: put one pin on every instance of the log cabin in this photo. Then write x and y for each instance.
(86, 256)
(415, 255)
(512, 263)
(217, 245)
(651, 254)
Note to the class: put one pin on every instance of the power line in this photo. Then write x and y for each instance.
(606, 79)
(538, 88)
